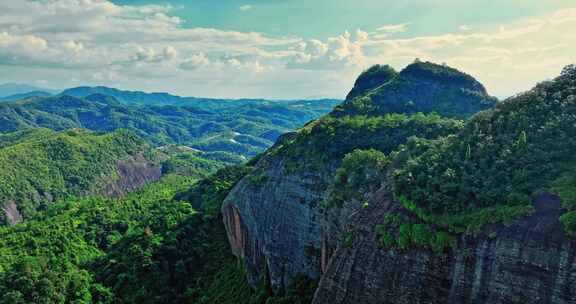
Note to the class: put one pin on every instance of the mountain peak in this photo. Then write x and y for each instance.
(441, 73)
(420, 87)
(372, 78)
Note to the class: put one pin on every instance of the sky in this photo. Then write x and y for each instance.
(281, 49)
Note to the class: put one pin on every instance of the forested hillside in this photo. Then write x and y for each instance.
(422, 187)
(377, 190)
(41, 166)
(243, 128)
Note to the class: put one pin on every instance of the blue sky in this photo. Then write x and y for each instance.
(326, 18)
(278, 48)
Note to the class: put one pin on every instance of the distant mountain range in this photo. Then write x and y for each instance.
(241, 127)
(9, 89)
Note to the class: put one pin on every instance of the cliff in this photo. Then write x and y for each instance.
(528, 261)
(274, 216)
(133, 172)
(385, 204)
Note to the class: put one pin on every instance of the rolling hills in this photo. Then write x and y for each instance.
(240, 128)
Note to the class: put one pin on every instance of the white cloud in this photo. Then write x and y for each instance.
(147, 47)
(245, 7)
(196, 61)
(393, 28)
(336, 53)
(509, 59)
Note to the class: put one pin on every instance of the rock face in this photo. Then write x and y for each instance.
(529, 261)
(274, 226)
(274, 217)
(133, 173)
(11, 212)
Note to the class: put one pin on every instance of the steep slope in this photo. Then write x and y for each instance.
(41, 166)
(241, 129)
(164, 243)
(279, 218)
(485, 192)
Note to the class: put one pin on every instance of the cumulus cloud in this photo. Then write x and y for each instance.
(99, 32)
(508, 59)
(337, 52)
(195, 61)
(146, 46)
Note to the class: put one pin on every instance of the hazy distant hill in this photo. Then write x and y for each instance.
(21, 96)
(240, 127)
(8, 89)
(144, 98)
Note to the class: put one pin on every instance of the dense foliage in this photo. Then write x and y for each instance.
(421, 87)
(190, 164)
(239, 127)
(501, 157)
(163, 244)
(330, 139)
(50, 258)
(41, 165)
(370, 79)
(361, 172)
(565, 188)
(398, 233)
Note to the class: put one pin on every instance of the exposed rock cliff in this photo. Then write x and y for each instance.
(273, 224)
(528, 261)
(11, 212)
(289, 217)
(133, 173)
(274, 216)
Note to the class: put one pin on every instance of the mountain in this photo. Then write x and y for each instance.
(41, 166)
(420, 87)
(8, 89)
(242, 129)
(483, 216)
(131, 97)
(407, 194)
(21, 96)
(390, 202)
(210, 104)
(164, 243)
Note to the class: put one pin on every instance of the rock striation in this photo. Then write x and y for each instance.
(274, 216)
(528, 261)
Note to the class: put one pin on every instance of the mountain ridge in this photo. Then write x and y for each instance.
(244, 129)
(301, 214)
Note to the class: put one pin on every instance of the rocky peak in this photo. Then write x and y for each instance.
(372, 78)
(421, 87)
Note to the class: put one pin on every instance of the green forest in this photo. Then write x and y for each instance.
(64, 239)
